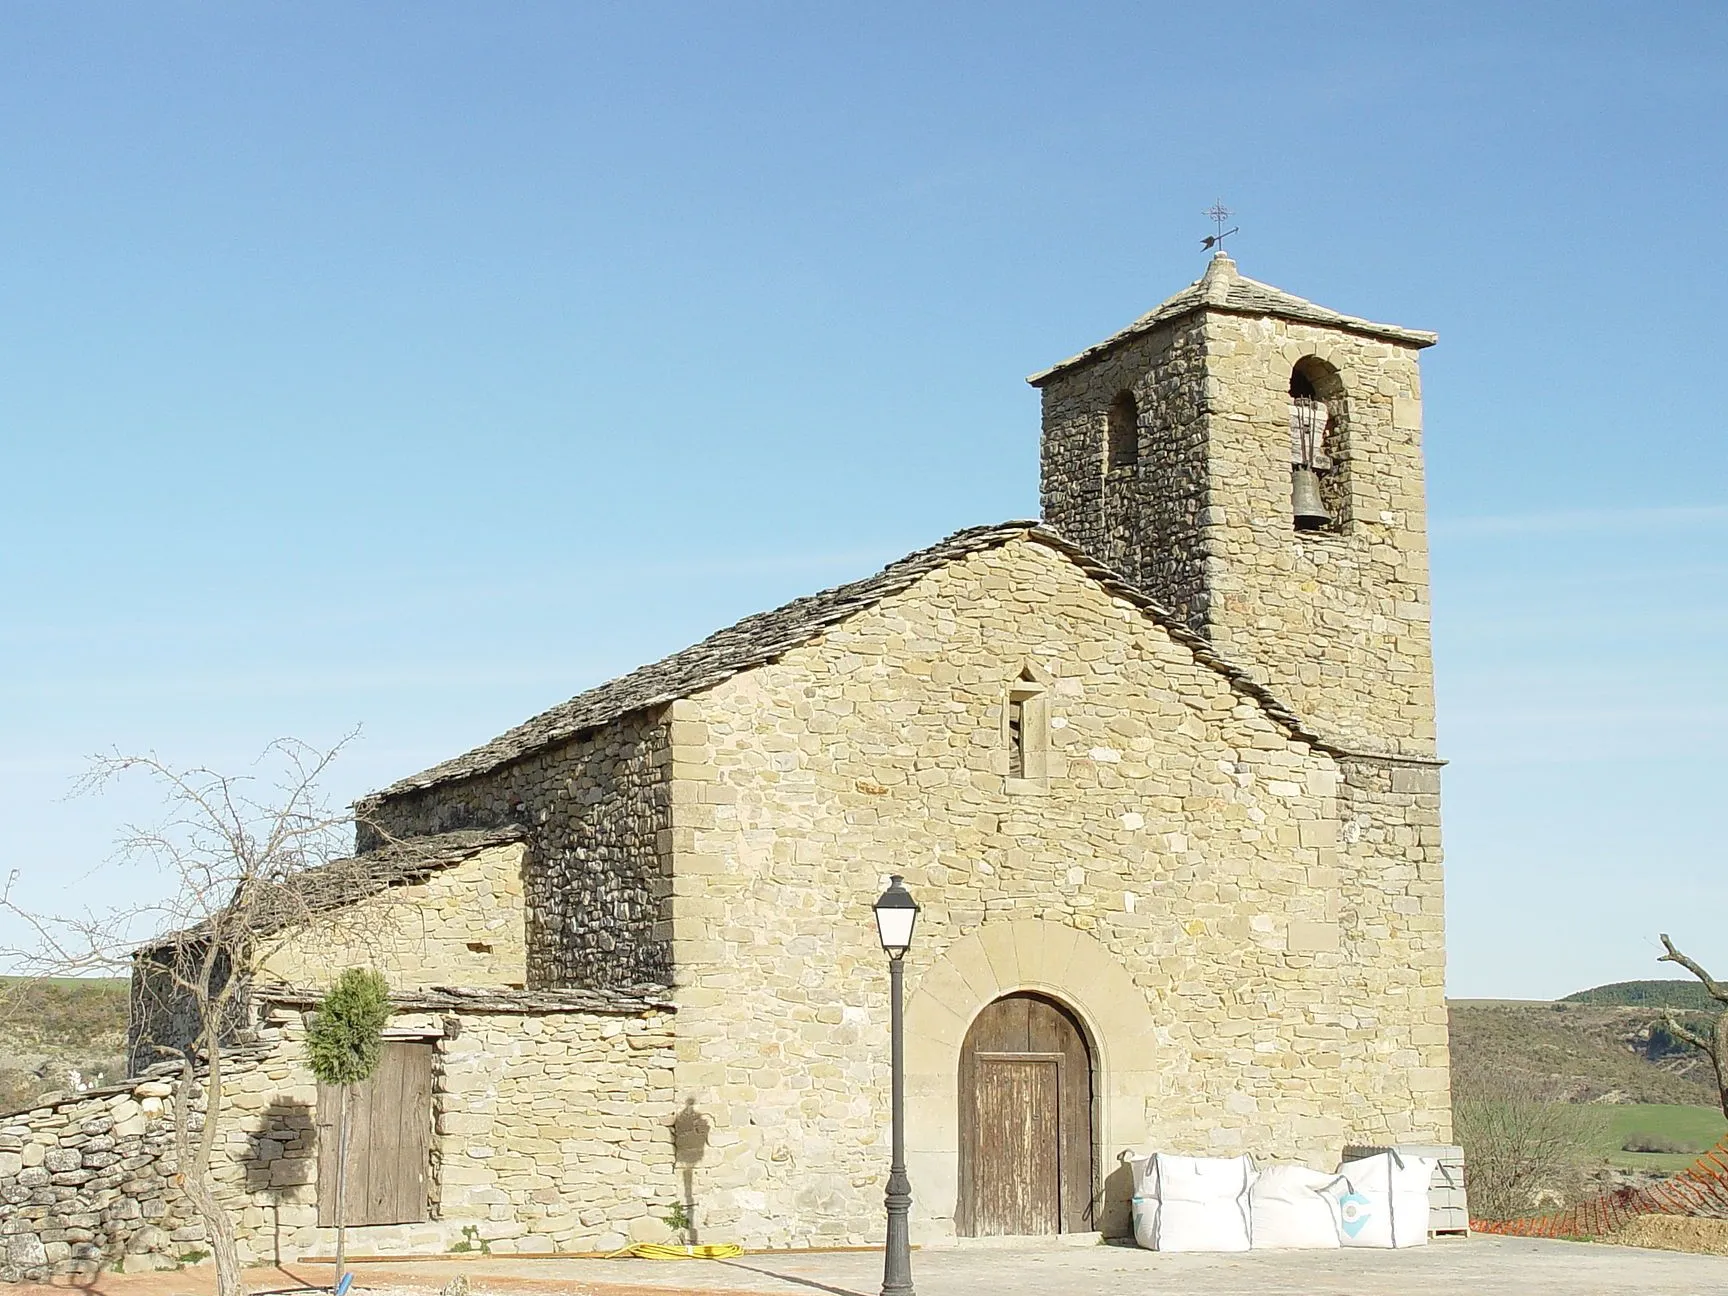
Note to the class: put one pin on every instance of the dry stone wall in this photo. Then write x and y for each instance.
(595, 883)
(85, 1184)
(1290, 961)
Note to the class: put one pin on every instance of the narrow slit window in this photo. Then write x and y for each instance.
(1025, 730)
(1122, 432)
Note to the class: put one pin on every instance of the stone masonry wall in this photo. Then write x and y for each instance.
(464, 926)
(1294, 983)
(85, 1183)
(551, 1132)
(1144, 519)
(1392, 897)
(558, 1131)
(1336, 622)
(595, 883)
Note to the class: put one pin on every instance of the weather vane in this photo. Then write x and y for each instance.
(1218, 213)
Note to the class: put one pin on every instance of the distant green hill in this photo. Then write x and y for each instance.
(1648, 994)
(1577, 1052)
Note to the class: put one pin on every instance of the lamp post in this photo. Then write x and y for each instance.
(896, 915)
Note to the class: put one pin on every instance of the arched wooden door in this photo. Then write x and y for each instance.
(1025, 1121)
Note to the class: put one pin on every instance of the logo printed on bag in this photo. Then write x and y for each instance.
(1353, 1213)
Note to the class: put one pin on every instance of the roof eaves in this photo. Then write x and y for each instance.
(795, 624)
(744, 645)
(1256, 301)
(347, 881)
(626, 1001)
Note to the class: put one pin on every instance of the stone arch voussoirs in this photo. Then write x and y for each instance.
(998, 959)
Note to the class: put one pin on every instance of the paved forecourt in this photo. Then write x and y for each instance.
(1481, 1266)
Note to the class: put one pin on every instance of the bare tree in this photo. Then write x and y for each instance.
(1523, 1152)
(241, 863)
(1715, 1045)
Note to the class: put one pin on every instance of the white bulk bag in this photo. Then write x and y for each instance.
(1293, 1206)
(1192, 1203)
(1386, 1202)
(1144, 1207)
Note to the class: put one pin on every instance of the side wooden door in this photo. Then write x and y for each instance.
(1025, 1122)
(389, 1141)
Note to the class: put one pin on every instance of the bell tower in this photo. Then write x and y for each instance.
(1254, 461)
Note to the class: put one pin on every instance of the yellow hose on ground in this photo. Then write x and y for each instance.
(666, 1251)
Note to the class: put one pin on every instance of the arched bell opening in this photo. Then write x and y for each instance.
(1319, 455)
(1028, 1136)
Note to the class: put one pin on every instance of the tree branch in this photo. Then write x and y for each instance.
(1679, 1032)
(1717, 990)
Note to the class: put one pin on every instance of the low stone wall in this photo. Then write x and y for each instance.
(553, 1130)
(86, 1184)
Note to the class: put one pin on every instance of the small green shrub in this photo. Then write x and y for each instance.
(346, 1038)
(677, 1218)
(471, 1242)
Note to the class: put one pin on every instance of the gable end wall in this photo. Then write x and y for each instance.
(595, 882)
(1278, 911)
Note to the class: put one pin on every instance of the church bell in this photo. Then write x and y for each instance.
(1310, 514)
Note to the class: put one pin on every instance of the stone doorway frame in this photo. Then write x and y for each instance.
(998, 959)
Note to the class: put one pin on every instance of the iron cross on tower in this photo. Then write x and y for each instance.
(1218, 213)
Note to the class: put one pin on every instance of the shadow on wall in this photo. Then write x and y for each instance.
(690, 1130)
(1116, 1198)
(281, 1158)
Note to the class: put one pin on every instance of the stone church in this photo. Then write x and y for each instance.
(1159, 769)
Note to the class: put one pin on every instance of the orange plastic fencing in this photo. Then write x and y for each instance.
(1700, 1189)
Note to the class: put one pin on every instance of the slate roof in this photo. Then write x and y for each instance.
(759, 639)
(343, 882)
(1222, 289)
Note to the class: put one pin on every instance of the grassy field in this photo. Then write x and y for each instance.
(1695, 1127)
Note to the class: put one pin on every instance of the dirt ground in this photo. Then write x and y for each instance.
(1666, 1233)
(1479, 1266)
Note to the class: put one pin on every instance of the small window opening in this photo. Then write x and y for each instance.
(479, 947)
(1123, 427)
(1026, 730)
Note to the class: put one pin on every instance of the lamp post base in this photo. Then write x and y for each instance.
(897, 1254)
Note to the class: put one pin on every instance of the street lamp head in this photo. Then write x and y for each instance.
(896, 915)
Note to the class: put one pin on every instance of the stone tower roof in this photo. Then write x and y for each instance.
(1222, 289)
(766, 636)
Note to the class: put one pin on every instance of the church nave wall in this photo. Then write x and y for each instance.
(1287, 970)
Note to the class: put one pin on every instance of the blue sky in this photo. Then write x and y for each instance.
(419, 365)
